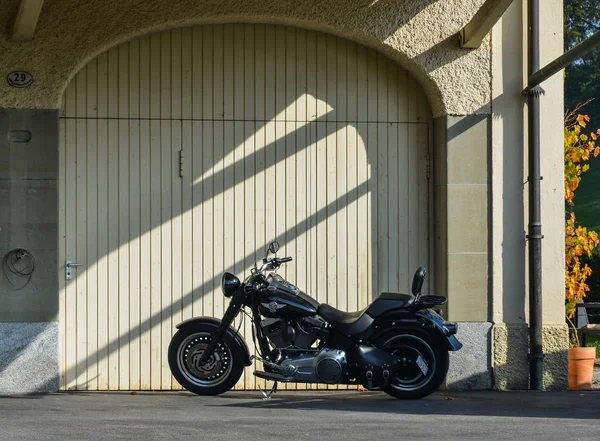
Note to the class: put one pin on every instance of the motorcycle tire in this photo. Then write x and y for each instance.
(219, 374)
(423, 363)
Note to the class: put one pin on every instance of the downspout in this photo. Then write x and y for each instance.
(534, 236)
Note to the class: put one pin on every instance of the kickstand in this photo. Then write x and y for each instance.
(267, 395)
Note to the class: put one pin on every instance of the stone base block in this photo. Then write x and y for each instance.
(470, 368)
(510, 349)
(29, 361)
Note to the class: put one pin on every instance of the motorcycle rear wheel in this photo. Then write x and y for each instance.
(218, 375)
(424, 364)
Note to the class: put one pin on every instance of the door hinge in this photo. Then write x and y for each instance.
(181, 163)
(428, 166)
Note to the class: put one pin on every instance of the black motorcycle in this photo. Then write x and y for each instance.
(398, 344)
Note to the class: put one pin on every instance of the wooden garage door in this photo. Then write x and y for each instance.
(184, 153)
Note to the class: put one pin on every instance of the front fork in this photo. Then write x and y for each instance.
(236, 304)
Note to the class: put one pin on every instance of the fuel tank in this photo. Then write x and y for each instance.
(282, 299)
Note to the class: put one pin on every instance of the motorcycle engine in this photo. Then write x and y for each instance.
(298, 333)
(313, 365)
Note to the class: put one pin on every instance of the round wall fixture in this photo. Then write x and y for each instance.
(19, 79)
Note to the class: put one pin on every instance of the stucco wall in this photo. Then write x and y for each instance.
(418, 34)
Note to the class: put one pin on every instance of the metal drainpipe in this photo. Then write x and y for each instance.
(536, 355)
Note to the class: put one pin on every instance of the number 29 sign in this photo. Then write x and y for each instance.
(19, 79)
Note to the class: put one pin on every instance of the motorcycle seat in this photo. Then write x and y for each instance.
(353, 323)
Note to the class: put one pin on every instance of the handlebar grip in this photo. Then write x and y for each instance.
(285, 259)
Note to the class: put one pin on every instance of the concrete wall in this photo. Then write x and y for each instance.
(29, 211)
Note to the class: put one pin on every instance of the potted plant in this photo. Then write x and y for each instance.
(581, 363)
(578, 241)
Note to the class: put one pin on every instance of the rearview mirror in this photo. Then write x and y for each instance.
(273, 247)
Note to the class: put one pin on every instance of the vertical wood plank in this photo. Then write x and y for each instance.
(197, 72)
(207, 72)
(239, 71)
(249, 74)
(280, 71)
(228, 72)
(413, 202)
(147, 254)
(187, 221)
(218, 216)
(145, 82)
(239, 221)
(166, 237)
(249, 238)
(113, 249)
(176, 239)
(166, 84)
(311, 76)
(155, 255)
(123, 254)
(71, 253)
(176, 74)
(404, 213)
(207, 214)
(187, 86)
(363, 222)
(392, 203)
(341, 193)
(133, 87)
(154, 65)
(261, 88)
(218, 110)
(103, 250)
(352, 192)
(91, 177)
(290, 75)
(197, 221)
(123, 79)
(81, 246)
(134, 291)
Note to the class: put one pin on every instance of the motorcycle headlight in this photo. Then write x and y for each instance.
(229, 284)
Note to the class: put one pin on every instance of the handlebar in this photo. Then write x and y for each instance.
(273, 263)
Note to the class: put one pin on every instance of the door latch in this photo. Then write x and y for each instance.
(68, 266)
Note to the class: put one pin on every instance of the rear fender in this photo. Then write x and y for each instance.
(214, 322)
(424, 321)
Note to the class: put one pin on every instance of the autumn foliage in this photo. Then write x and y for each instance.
(579, 241)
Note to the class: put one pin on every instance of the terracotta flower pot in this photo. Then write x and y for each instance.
(581, 368)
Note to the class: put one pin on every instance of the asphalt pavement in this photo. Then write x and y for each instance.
(324, 415)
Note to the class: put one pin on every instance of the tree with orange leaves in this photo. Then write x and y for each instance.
(579, 241)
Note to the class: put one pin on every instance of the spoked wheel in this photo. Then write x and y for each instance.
(219, 374)
(422, 366)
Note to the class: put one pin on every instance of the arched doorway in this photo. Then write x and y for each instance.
(184, 153)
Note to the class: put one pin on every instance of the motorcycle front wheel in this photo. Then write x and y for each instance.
(423, 364)
(219, 374)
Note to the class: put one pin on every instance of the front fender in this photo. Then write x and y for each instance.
(212, 321)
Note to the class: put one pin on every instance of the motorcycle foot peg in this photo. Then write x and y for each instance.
(386, 378)
(369, 380)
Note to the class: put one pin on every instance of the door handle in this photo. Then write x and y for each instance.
(68, 266)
